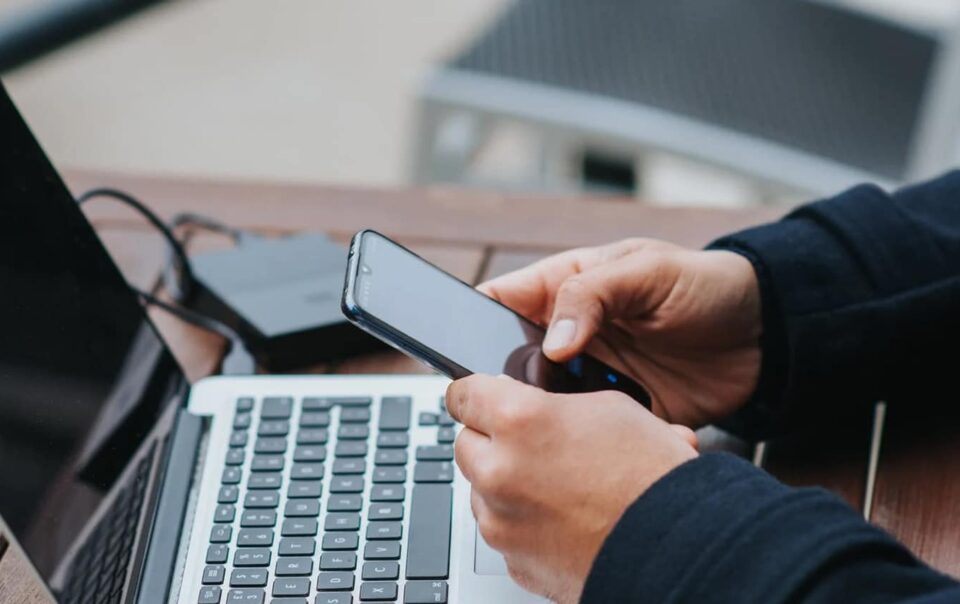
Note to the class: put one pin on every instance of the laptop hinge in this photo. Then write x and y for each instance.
(163, 538)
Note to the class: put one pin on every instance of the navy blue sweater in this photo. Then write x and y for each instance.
(861, 296)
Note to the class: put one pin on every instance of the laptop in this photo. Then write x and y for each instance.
(122, 482)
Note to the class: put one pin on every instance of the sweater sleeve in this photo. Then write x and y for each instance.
(860, 295)
(716, 529)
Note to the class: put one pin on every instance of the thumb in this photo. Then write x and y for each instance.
(630, 286)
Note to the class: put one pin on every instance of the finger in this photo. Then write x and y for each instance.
(531, 290)
(628, 287)
(470, 450)
(484, 402)
(687, 434)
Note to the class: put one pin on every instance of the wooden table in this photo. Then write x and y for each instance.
(479, 235)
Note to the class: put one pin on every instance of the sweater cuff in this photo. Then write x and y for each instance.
(704, 531)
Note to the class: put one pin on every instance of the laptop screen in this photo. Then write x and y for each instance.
(83, 375)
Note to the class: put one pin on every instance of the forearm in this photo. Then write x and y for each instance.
(718, 530)
(860, 294)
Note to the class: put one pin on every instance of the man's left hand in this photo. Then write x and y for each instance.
(553, 473)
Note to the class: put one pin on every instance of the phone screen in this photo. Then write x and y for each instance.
(460, 325)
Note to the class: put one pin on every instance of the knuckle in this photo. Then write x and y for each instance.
(494, 532)
(520, 415)
(495, 479)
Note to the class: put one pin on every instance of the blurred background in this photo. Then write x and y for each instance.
(705, 102)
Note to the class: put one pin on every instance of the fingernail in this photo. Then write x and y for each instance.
(560, 334)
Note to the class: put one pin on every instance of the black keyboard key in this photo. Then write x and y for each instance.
(270, 444)
(446, 420)
(388, 531)
(351, 448)
(299, 527)
(209, 595)
(244, 403)
(389, 474)
(312, 436)
(425, 592)
(342, 521)
(273, 427)
(300, 566)
(349, 465)
(217, 554)
(378, 592)
(337, 580)
(221, 533)
(314, 419)
(276, 407)
(347, 484)
(382, 550)
(291, 587)
(353, 432)
(267, 463)
(345, 503)
(231, 475)
(238, 438)
(225, 512)
(446, 435)
(304, 489)
(426, 418)
(213, 575)
(252, 556)
(393, 440)
(395, 413)
(354, 415)
(433, 471)
(297, 546)
(333, 598)
(242, 421)
(288, 600)
(385, 511)
(261, 499)
(309, 453)
(338, 561)
(306, 471)
(380, 571)
(388, 492)
(435, 453)
(390, 457)
(246, 596)
(341, 542)
(235, 457)
(258, 518)
(248, 577)
(265, 480)
(428, 545)
(228, 494)
(316, 403)
(352, 401)
(307, 508)
(255, 537)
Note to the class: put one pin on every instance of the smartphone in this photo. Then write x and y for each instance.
(412, 305)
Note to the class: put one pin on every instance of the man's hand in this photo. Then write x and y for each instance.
(553, 473)
(684, 323)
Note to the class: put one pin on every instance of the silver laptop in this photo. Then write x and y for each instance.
(120, 482)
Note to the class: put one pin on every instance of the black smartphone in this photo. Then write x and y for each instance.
(434, 317)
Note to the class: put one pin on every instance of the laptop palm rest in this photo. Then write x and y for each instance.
(486, 560)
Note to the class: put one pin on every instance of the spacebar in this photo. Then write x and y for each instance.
(428, 546)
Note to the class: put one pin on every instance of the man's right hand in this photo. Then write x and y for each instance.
(685, 323)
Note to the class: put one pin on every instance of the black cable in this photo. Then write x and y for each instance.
(237, 361)
(185, 281)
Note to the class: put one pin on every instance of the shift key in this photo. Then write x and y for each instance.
(428, 548)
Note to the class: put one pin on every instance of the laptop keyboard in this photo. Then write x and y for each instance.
(100, 566)
(321, 500)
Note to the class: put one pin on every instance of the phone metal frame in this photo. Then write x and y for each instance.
(382, 331)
